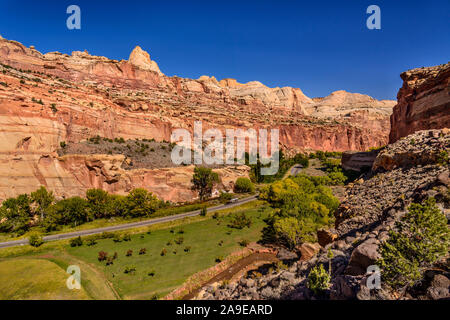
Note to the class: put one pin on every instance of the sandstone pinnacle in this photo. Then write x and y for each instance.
(141, 59)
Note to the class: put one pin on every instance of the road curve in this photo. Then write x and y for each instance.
(126, 226)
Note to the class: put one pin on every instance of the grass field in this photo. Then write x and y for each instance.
(28, 279)
(201, 234)
(172, 269)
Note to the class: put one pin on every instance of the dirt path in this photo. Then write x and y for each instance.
(228, 273)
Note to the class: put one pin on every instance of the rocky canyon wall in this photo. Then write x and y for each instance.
(423, 101)
(54, 98)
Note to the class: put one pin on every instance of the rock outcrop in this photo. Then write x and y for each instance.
(423, 101)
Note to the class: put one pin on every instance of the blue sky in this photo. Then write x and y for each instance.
(318, 46)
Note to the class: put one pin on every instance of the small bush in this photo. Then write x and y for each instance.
(126, 237)
(76, 242)
(129, 253)
(219, 259)
(163, 252)
(420, 238)
(142, 251)
(187, 249)
(179, 240)
(130, 269)
(203, 212)
(35, 240)
(109, 261)
(240, 221)
(151, 273)
(318, 279)
(243, 185)
(102, 255)
(244, 243)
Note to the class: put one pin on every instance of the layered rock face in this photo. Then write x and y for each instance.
(372, 206)
(47, 99)
(423, 101)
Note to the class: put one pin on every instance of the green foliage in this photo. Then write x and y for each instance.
(244, 185)
(98, 202)
(288, 230)
(76, 242)
(203, 181)
(72, 211)
(240, 221)
(300, 198)
(420, 238)
(225, 197)
(318, 279)
(35, 239)
(43, 200)
(203, 212)
(16, 214)
(337, 178)
(141, 203)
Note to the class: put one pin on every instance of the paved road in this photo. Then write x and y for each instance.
(126, 226)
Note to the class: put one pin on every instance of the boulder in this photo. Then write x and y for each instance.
(326, 236)
(308, 250)
(366, 254)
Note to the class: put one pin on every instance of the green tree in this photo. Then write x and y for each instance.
(225, 197)
(35, 239)
(73, 211)
(16, 214)
(420, 238)
(243, 185)
(288, 230)
(141, 203)
(43, 200)
(203, 181)
(98, 202)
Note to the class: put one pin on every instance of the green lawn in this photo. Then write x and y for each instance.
(28, 279)
(172, 269)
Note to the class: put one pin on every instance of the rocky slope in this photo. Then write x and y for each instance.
(54, 98)
(423, 101)
(402, 173)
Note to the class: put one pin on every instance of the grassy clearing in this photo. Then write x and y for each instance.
(172, 269)
(30, 279)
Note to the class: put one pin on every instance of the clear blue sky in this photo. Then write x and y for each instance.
(318, 46)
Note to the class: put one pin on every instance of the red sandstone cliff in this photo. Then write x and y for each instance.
(46, 99)
(423, 101)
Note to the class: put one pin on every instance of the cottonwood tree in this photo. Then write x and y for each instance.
(203, 181)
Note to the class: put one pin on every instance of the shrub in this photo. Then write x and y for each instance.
(187, 249)
(240, 221)
(163, 252)
(102, 255)
(225, 197)
(142, 251)
(244, 243)
(151, 273)
(35, 239)
(109, 261)
(337, 178)
(126, 237)
(129, 253)
(219, 259)
(420, 238)
(91, 242)
(318, 279)
(203, 212)
(62, 144)
(243, 185)
(130, 269)
(115, 255)
(179, 240)
(76, 242)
